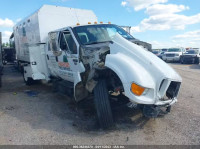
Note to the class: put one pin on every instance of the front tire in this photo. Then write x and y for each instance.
(102, 103)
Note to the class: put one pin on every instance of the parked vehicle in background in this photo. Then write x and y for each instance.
(191, 56)
(156, 52)
(90, 59)
(164, 50)
(196, 49)
(9, 55)
(160, 55)
(188, 48)
(173, 54)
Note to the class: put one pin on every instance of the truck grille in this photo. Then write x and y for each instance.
(173, 89)
(170, 55)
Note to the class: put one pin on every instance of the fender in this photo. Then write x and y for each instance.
(129, 70)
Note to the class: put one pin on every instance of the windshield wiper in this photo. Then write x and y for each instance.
(95, 42)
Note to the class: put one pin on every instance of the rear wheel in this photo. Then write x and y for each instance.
(102, 103)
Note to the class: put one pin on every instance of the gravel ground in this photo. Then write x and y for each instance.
(53, 119)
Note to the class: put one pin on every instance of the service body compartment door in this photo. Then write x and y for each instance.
(38, 63)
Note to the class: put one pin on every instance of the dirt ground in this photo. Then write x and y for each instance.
(53, 119)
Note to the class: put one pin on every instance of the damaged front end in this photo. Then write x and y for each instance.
(163, 106)
(121, 63)
(93, 58)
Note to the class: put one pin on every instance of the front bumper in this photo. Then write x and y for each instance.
(167, 102)
(165, 96)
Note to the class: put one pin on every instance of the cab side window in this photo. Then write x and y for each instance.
(63, 43)
(67, 43)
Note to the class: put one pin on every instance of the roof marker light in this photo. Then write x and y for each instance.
(78, 24)
(101, 22)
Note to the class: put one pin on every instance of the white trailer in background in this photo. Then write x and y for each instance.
(93, 59)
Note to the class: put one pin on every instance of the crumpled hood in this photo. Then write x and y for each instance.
(156, 68)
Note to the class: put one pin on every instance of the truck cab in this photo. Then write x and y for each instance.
(77, 53)
(79, 49)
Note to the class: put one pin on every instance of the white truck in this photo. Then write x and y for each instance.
(68, 47)
(173, 54)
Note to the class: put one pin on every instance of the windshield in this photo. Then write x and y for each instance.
(174, 50)
(92, 34)
(192, 52)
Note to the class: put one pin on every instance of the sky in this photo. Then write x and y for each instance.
(163, 23)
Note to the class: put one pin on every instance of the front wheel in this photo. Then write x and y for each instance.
(102, 103)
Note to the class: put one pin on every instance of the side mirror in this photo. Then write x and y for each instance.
(57, 53)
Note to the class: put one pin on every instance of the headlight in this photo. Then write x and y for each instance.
(137, 90)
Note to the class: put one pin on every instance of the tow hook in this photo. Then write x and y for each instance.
(152, 111)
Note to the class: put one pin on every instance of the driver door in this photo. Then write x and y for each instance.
(56, 57)
(72, 56)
